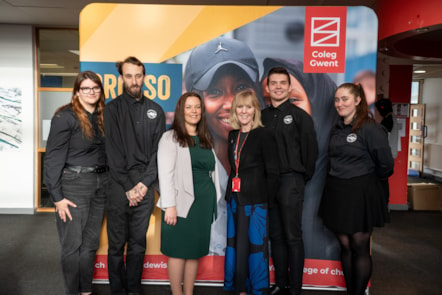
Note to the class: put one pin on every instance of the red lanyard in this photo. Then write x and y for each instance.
(238, 154)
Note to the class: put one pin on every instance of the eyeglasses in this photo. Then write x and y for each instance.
(87, 90)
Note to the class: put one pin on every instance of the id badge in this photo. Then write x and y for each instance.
(236, 184)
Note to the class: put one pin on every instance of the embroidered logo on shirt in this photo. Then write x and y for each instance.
(151, 114)
(352, 137)
(288, 119)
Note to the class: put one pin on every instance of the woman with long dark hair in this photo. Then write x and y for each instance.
(189, 187)
(354, 201)
(75, 174)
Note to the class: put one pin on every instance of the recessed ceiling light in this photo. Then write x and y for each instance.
(51, 66)
(60, 74)
(419, 71)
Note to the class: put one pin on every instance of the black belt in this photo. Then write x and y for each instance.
(83, 169)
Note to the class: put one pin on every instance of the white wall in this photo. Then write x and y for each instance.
(432, 98)
(17, 164)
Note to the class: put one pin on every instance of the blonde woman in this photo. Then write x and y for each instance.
(253, 181)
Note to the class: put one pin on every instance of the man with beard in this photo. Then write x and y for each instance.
(133, 126)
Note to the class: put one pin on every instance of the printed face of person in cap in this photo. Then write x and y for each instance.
(226, 83)
(296, 93)
(133, 79)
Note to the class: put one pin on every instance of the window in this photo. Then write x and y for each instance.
(58, 57)
(58, 63)
(415, 91)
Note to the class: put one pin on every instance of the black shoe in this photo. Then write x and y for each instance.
(275, 290)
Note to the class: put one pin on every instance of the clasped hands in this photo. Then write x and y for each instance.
(136, 194)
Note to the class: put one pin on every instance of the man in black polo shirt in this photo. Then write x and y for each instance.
(298, 151)
(133, 126)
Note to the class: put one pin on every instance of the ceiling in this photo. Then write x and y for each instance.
(420, 49)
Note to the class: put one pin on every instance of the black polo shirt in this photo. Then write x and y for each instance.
(68, 146)
(133, 129)
(358, 153)
(295, 137)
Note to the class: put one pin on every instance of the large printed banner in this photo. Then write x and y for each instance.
(218, 51)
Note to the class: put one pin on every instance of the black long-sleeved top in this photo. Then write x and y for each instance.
(133, 129)
(68, 146)
(360, 153)
(295, 137)
(258, 167)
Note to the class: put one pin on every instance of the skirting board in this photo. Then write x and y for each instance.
(30, 211)
(398, 207)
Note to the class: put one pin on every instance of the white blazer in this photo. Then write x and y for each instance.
(175, 176)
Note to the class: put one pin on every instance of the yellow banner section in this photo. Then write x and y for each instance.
(155, 33)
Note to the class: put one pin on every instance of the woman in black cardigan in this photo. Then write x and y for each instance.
(253, 181)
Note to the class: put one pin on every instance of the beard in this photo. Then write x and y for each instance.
(133, 90)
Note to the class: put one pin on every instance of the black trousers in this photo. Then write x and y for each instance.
(80, 237)
(285, 224)
(126, 225)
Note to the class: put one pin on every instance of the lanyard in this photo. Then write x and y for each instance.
(238, 153)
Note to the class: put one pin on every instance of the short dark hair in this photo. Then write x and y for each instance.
(130, 60)
(278, 70)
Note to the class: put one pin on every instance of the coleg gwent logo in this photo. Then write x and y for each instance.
(325, 31)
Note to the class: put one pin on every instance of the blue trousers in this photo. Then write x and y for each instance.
(246, 267)
(80, 237)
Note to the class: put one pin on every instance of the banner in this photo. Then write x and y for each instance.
(324, 43)
(218, 51)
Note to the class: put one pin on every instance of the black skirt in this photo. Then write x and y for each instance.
(354, 205)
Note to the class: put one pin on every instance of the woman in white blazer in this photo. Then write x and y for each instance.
(189, 191)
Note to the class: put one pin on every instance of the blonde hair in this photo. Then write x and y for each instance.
(244, 97)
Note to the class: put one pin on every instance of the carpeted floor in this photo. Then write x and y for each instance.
(407, 257)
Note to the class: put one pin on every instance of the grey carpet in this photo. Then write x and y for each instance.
(407, 256)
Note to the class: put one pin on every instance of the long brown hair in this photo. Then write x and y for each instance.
(79, 110)
(179, 125)
(362, 114)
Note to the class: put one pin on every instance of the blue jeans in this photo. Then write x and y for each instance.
(126, 225)
(80, 237)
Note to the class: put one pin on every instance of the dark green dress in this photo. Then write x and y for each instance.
(190, 237)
